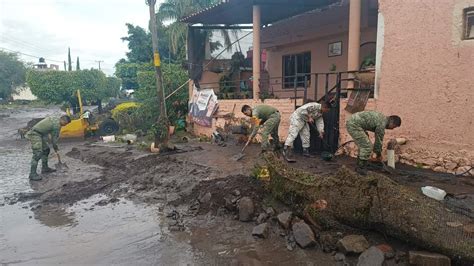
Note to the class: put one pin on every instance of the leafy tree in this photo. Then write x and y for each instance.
(173, 77)
(139, 44)
(60, 86)
(78, 67)
(127, 72)
(173, 10)
(51, 86)
(12, 73)
(113, 86)
(69, 59)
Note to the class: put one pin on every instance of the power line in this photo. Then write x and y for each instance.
(24, 44)
(34, 56)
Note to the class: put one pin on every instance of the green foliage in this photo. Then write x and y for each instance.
(173, 10)
(51, 86)
(60, 86)
(69, 59)
(139, 44)
(92, 83)
(173, 77)
(124, 115)
(127, 72)
(78, 65)
(113, 86)
(368, 61)
(12, 73)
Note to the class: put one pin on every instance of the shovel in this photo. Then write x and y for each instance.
(241, 154)
(60, 165)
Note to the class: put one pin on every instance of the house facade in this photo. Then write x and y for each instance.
(424, 66)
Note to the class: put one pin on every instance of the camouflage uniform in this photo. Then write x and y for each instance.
(267, 117)
(38, 137)
(299, 123)
(364, 121)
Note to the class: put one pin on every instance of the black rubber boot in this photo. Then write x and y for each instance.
(33, 175)
(306, 153)
(361, 168)
(287, 154)
(45, 168)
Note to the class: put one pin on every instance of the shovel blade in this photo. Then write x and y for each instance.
(238, 156)
(61, 166)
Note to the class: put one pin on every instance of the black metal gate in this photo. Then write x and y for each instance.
(330, 142)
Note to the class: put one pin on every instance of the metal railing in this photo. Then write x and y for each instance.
(305, 86)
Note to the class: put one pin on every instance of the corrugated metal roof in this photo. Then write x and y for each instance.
(233, 12)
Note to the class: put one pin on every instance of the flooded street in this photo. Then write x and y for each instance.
(124, 233)
(66, 219)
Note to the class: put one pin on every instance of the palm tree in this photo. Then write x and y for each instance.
(173, 10)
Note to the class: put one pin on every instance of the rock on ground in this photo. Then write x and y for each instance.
(328, 242)
(387, 250)
(353, 244)
(262, 217)
(284, 219)
(371, 257)
(303, 234)
(205, 198)
(260, 230)
(421, 258)
(270, 211)
(339, 257)
(246, 209)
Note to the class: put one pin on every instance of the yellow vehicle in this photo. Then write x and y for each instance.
(89, 125)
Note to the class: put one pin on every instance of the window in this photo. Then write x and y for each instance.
(469, 23)
(295, 68)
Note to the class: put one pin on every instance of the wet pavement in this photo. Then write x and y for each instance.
(123, 232)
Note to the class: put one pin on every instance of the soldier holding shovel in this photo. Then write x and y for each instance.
(38, 136)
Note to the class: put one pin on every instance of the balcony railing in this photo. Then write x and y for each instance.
(306, 86)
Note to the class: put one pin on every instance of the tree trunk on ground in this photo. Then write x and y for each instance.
(372, 202)
(161, 126)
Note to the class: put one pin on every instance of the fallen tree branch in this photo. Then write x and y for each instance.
(371, 201)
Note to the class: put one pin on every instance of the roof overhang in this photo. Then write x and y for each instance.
(238, 12)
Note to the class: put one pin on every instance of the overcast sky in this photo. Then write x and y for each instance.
(92, 28)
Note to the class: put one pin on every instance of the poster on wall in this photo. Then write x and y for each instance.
(202, 106)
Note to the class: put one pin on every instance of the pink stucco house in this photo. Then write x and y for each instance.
(424, 65)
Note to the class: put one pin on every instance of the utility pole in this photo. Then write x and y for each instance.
(99, 61)
(162, 125)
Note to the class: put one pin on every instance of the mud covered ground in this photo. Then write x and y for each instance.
(121, 205)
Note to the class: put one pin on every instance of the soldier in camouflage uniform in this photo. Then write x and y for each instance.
(375, 122)
(38, 136)
(267, 117)
(299, 124)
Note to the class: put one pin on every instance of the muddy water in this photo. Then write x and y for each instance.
(15, 153)
(83, 233)
(124, 232)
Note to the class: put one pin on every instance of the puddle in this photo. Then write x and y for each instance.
(120, 233)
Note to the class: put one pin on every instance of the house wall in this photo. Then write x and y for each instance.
(23, 93)
(210, 80)
(427, 77)
(297, 35)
